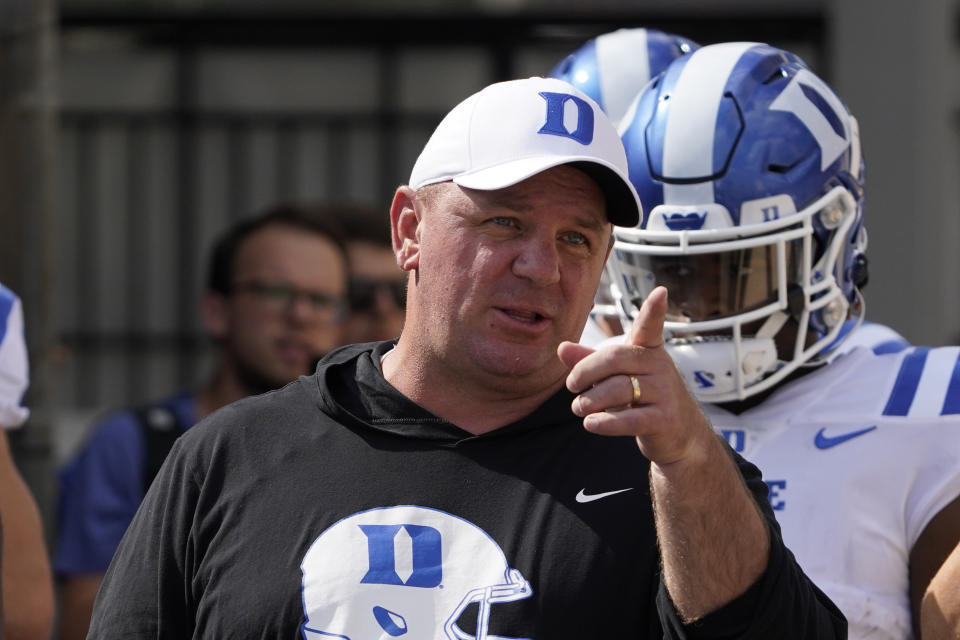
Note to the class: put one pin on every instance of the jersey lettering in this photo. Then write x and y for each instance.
(776, 487)
(736, 438)
(425, 554)
(555, 124)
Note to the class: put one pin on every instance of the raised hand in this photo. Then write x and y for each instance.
(634, 389)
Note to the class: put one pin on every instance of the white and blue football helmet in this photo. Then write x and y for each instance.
(613, 67)
(750, 173)
(405, 571)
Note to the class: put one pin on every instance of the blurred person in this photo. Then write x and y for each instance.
(483, 476)
(26, 608)
(377, 284)
(275, 301)
(940, 612)
(750, 173)
(612, 69)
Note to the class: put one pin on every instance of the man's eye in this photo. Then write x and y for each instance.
(503, 221)
(576, 238)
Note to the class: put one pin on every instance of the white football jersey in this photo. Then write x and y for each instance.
(877, 336)
(859, 456)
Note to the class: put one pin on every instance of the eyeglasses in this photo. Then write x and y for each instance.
(283, 297)
(363, 293)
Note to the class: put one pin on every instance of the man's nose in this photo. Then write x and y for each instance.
(538, 261)
(300, 308)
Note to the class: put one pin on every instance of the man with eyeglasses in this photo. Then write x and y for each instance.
(275, 302)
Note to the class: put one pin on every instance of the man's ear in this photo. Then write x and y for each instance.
(216, 316)
(404, 223)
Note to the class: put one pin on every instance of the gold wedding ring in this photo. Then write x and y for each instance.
(637, 393)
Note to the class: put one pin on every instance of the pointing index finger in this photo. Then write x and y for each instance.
(647, 327)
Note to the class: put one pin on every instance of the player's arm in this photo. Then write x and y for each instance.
(940, 612)
(936, 599)
(27, 584)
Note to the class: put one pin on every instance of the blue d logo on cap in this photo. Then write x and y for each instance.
(554, 124)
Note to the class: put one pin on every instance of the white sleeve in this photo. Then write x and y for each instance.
(14, 368)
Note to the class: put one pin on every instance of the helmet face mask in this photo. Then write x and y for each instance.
(736, 289)
(750, 175)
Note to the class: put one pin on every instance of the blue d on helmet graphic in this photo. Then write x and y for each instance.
(404, 572)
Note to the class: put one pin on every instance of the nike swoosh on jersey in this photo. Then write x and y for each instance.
(823, 441)
(584, 497)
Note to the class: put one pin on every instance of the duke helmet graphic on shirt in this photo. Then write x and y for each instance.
(404, 572)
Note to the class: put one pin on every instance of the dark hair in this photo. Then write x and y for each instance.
(365, 223)
(323, 220)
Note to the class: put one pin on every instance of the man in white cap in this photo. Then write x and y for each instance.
(409, 486)
(26, 608)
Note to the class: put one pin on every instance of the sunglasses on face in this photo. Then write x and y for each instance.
(363, 293)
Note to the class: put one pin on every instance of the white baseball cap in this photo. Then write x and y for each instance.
(513, 130)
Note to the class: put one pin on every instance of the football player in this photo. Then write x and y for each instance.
(750, 173)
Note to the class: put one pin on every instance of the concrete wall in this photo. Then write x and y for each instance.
(896, 65)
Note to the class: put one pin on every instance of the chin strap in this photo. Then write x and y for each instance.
(706, 365)
(773, 324)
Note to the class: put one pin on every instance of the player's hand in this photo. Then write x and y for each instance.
(654, 406)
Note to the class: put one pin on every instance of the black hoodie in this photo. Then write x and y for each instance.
(338, 508)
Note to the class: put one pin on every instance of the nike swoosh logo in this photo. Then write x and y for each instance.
(823, 441)
(584, 497)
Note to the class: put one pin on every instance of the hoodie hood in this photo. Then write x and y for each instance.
(353, 391)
